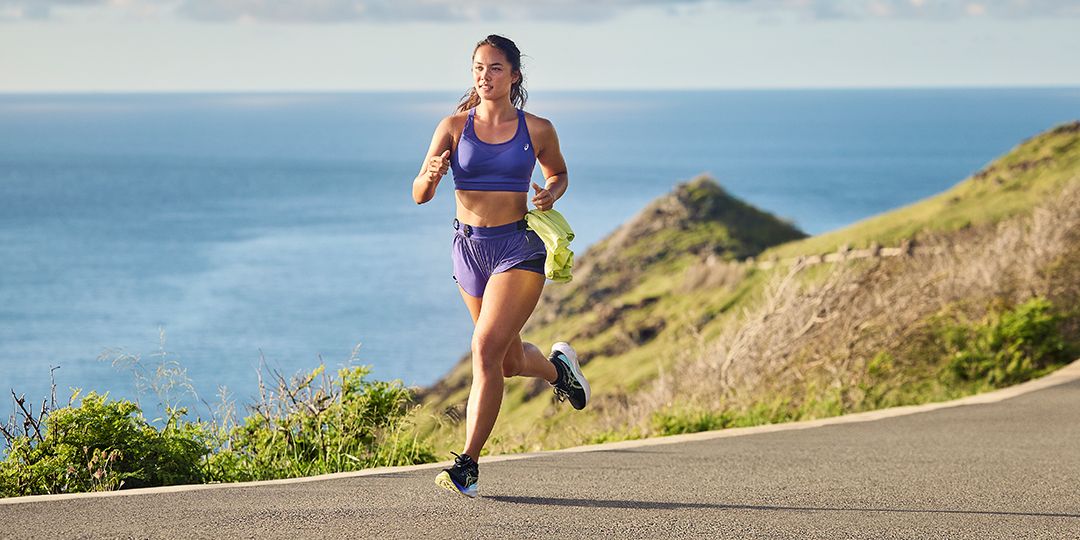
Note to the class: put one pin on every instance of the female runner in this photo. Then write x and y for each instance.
(492, 146)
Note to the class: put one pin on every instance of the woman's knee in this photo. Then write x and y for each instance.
(488, 352)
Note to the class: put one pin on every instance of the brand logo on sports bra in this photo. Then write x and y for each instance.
(526, 147)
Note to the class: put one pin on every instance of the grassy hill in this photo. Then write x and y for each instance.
(678, 335)
(1010, 185)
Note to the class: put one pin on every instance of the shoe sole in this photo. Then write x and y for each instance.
(569, 352)
(444, 481)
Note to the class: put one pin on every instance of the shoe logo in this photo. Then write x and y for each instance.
(571, 380)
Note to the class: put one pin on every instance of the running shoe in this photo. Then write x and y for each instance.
(461, 477)
(570, 384)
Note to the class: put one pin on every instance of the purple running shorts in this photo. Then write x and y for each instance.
(479, 252)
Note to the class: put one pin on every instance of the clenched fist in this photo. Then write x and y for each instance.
(543, 200)
(438, 165)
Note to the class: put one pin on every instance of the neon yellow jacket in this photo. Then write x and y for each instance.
(556, 233)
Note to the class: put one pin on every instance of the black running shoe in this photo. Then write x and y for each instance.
(571, 384)
(461, 477)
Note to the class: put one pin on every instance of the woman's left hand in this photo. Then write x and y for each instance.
(542, 199)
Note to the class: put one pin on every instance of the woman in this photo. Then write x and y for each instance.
(492, 146)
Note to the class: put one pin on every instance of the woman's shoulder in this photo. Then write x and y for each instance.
(538, 125)
(454, 122)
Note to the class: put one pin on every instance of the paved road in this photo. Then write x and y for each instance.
(1003, 470)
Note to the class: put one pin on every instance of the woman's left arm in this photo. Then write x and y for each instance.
(552, 165)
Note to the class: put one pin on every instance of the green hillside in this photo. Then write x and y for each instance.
(664, 290)
(1009, 185)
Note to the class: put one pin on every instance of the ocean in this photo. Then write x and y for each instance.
(224, 228)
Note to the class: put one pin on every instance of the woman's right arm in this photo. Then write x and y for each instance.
(435, 164)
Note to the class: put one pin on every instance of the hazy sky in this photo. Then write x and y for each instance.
(160, 45)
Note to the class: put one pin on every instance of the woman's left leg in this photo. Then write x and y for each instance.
(509, 300)
(523, 359)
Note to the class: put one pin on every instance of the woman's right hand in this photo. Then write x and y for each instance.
(436, 162)
(438, 165)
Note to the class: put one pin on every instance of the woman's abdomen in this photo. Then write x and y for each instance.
(490, 208)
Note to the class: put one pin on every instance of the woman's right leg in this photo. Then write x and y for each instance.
(509, 300)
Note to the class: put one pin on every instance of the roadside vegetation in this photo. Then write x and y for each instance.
(308, 424)
(996, 306)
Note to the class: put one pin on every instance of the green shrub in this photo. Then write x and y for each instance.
(1007, 347)
(612, 435)
(300, 429)
(780, 409)
(101, 445)
(674, 422)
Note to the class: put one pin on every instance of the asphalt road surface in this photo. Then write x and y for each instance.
(1003, 470)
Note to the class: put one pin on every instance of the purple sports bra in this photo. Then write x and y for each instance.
(481, 166)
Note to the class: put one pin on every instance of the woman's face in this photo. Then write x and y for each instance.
(492, 73)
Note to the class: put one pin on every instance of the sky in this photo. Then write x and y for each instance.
(347, 45)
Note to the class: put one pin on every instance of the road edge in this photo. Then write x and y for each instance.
(1068, 373)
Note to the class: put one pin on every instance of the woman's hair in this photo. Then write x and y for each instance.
(518, 95)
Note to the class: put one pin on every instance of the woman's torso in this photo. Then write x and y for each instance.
(491, 208)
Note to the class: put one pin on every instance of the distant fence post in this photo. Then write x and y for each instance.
(844, 252)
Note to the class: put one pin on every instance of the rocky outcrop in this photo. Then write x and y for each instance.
(697, 219)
